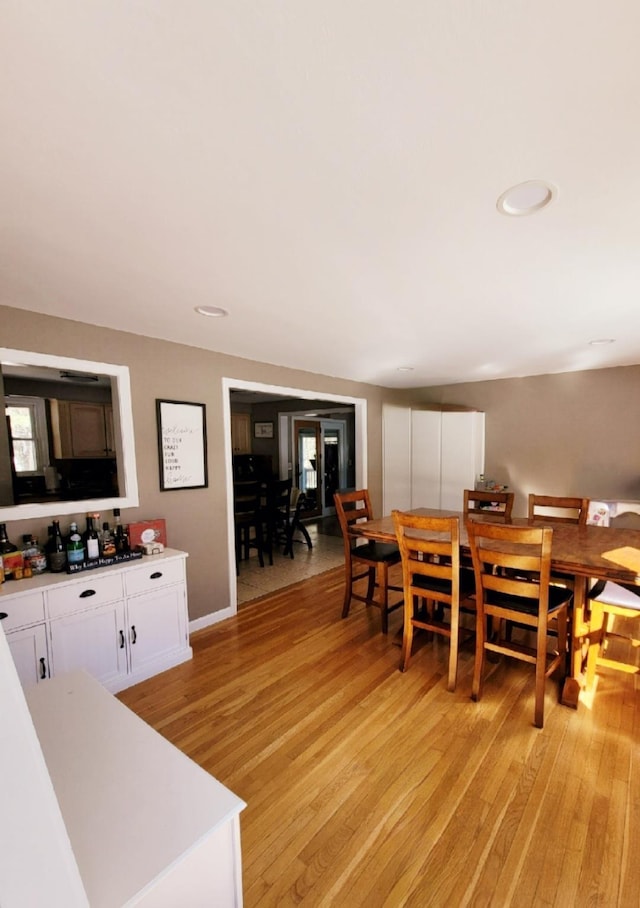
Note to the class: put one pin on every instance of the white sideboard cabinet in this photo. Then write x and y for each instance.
(148, 826)
(121, 624)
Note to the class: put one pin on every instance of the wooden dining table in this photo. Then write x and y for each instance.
(585, 552)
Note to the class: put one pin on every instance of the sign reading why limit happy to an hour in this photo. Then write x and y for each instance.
(182, 440)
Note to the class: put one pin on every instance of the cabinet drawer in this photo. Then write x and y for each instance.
(74, 597)
(153, 575)
(22, 610)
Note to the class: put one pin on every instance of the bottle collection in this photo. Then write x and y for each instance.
(97, 546)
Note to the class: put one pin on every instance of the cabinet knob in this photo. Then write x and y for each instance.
(85, 593)
(156, 575)
(43, 669)
(121, 639)
(134, 635)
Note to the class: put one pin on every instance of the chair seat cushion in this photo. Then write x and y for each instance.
(377, 551)
(467, 583)
(610, 593)
(558, 596)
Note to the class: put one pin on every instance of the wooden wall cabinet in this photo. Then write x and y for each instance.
(121, 624)
(82, 429)
(241, 433)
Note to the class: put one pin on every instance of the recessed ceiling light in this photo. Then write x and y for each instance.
(526, 198)
(404, 369)
(212, 311)
(602, 341)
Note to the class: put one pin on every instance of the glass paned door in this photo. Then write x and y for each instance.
(308, 466)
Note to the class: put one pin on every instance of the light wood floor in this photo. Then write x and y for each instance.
(370, 787)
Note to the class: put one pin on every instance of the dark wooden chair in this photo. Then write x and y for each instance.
(512, 568)
(247, 516)
(365, 558)
(298, 501)
(433, 582)
(276, 515)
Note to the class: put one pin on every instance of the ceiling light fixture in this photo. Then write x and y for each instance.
(526, 198)
(212, 311)
(602, 341)
(404, 369)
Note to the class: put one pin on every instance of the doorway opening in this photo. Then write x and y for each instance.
(336, 455)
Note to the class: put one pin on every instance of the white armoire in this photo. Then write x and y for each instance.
(429, 457)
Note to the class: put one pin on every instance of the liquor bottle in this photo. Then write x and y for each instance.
(75, 545)
(91, 540)
(34, 559)
(5, 545)
(107, 542)
(56, 549)
(120, 533)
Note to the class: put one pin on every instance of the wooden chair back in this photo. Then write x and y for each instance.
(512, 566)
(559, 509)
(430, 553)
(365, 559)
(493, 502)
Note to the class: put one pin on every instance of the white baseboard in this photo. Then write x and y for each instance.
(199, 624)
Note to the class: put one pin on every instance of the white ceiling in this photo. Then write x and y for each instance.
(328, 172)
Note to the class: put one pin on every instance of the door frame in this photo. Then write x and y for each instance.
(229, 384)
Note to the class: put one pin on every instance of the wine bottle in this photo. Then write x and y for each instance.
(91, 540)
(121, 534)
(75, 545)
(56, 549)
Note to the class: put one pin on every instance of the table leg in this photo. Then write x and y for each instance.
(575, 680)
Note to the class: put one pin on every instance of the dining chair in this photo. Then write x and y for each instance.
(433, 582)
(512, 566)
(609, 602)
(298, 500)
(365, 558)
(247, 516)
(559, 509)
(277, 515)
(476, 501)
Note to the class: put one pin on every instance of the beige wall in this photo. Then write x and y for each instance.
(577, 433)
(196, 518)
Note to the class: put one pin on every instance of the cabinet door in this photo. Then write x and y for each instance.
(157, 624)
(396, 458)
(426, 439)
(241, 433)
(94, 640)
(30, 655)
(462, 456)
(87, 429)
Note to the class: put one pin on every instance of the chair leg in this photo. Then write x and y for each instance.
(348, 587)
(384, 604)
(407, 633)
(541, 675)
(478, 666)
(453, 648)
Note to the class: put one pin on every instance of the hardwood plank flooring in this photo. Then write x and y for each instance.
(366, 786)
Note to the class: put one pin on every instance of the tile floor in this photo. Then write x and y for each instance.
(327, 553)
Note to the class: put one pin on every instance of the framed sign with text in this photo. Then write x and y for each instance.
(182, 445)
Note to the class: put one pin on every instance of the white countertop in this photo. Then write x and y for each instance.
(51, 579)
(133, 804)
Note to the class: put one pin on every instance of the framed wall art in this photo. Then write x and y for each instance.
(263, 430)
(182, 445)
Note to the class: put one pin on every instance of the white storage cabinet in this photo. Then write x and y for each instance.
(121, 624)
